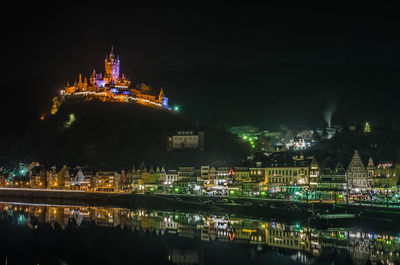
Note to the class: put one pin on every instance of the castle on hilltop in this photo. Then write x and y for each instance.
(112, 87)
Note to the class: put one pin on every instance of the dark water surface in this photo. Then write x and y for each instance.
(56, 234)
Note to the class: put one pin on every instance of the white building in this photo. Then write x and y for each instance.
(170, 177)
(186, 140)
(356, 174)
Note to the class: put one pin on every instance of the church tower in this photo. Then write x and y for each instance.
(371, 172)
(112, 66)
(371, 167)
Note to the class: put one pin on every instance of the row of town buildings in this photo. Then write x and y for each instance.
(277, 175)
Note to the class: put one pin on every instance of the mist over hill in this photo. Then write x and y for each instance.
(116, 135)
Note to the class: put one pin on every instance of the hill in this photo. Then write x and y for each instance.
(382, 144)
(116, 135)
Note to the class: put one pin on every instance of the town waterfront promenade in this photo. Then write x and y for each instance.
(219, 204)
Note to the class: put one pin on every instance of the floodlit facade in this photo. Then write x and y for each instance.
(107, 181)
(242, 174)
(356, 174)
(171, 176)
(186, 140)
(387, 176)
(277, 177)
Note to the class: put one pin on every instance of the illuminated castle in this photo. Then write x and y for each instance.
(113, 87)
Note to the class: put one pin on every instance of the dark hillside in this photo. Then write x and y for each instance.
(382, 144)
(116, 135)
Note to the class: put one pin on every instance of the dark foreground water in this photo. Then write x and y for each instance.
(52, 234)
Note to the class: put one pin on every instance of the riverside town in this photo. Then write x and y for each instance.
(297, 178)
(201, 136)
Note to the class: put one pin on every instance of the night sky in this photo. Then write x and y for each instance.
(263, 66)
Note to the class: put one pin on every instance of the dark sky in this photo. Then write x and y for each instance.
(263, 66)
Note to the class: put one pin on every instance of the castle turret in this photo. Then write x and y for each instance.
(85, 84)
(93, 77)
(80, 84)
(112, 66)
(161, 96)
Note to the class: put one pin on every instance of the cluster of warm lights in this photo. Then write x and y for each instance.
(126, 97)
(87, 93)
(144, 100)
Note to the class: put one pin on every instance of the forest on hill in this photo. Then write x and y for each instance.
(114, 135)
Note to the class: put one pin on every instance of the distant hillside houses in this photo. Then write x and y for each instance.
(276, 140)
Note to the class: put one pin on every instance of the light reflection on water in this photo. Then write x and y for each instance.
(185, 238)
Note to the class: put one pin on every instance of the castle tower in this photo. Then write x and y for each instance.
(80, 84)
(112, 66)
(161, 96)
(85, 84)
(93, 77)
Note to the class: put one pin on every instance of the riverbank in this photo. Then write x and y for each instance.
(277, 209)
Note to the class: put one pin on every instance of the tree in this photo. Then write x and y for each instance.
(263, 144)
(337, 132)
(367, 128)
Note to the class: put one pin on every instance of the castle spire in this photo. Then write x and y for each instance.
(112, 52)
(161, 96)
(80, 84)
(112, 66)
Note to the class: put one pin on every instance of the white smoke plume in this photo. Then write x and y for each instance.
(328, 112)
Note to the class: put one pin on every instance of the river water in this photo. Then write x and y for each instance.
(65, 234)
